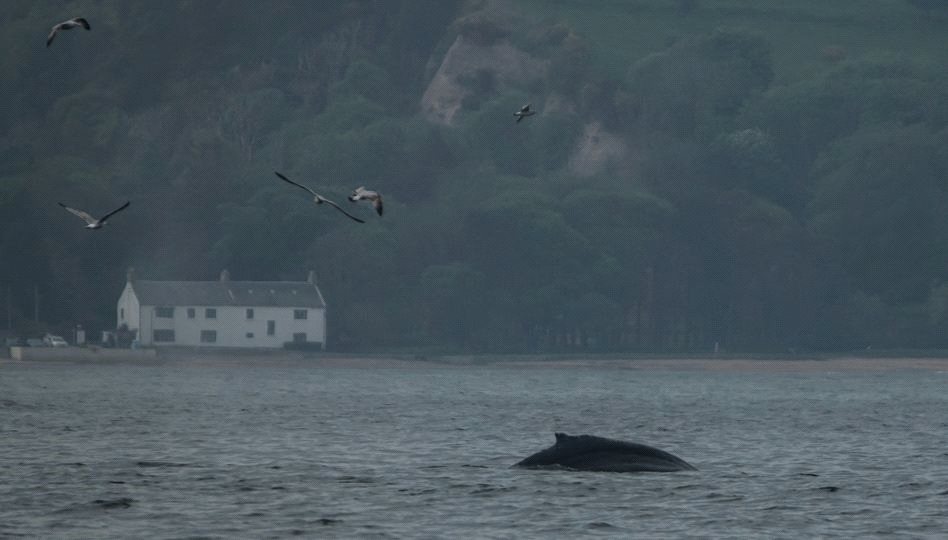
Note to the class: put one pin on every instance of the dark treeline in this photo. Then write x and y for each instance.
(705, 194)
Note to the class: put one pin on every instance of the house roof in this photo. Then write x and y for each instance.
(228, 293)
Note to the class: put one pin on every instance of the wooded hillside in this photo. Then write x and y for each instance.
(698, 172)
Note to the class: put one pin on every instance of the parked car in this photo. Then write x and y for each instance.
(54, 341)
(33, 342)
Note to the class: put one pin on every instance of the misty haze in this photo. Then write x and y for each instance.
(330, 268)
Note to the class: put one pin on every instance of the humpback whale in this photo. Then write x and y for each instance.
(591, 453)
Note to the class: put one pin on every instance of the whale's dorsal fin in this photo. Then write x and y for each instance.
(560, 437)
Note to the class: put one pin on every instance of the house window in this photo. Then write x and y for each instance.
(210, 313)
(299, 313)
(164, 312)
(163, 336)
(122, 313)
(249, 335)
(299, 337)
(190, 312)
(208, 336)
(250, 313)
(271, 328)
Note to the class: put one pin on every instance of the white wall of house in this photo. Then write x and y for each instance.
(127, 311)
(231, 326)
(145, 327)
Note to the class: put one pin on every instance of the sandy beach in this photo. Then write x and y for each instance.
(841, 364)
(355, 361)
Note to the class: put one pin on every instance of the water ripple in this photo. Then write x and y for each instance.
(299, 450)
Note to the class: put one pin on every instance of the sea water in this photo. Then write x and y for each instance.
(276, 449)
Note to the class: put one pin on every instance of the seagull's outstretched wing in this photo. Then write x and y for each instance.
(52, 35)
(319, 197)
(301, 186)
(113, 212)
(84, 216)
(337, 207)
(66, 25)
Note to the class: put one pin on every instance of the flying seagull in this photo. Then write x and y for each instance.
(319, 198)
(361, 193)
(67, 25)
(524, 112)
(91, 222)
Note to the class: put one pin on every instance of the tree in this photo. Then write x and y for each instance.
(880, 204)
(928, 6)
(806, 116)
(454, 306)
(700, 80)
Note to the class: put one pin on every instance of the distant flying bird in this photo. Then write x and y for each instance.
(361, 193)
(91, 222)
(524, 112)
(319, 198)
(67, 25)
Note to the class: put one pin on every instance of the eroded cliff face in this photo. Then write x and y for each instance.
(494, 53)
(468, 59)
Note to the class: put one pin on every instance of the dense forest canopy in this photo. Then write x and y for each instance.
(765, 178)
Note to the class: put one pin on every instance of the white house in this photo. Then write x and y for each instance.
(224, 313)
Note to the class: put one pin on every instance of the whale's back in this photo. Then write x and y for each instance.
(591, 453)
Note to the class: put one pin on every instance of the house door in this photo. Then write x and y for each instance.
(271, 328)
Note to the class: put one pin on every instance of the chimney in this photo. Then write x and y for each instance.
(311, 278)
(225, 275)
(130, 274)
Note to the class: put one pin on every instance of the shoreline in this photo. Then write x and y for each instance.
(747, 365)
(281, 358)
